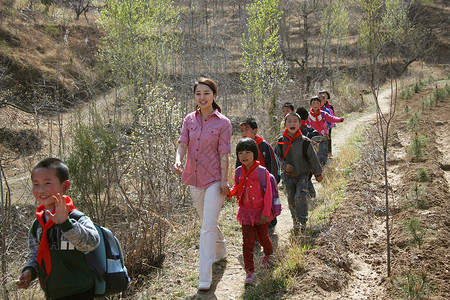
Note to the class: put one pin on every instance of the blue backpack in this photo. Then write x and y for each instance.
(106, 262)
(276, 202)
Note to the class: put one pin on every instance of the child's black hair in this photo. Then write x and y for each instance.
(290, 105)
(62, 171)
(250, 122)
(325, 92)
(293, 114)
(314, 98)
(302, 112)
(247, 144)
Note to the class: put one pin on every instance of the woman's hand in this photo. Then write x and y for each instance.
(224, 188)
(178, 168)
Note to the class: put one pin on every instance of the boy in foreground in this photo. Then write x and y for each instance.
(56, 241)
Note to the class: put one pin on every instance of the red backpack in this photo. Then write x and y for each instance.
(276, 202)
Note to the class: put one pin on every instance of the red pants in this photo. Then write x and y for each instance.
(248, 244)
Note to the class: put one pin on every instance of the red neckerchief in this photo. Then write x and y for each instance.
(303, 123)
(258, 140)
(239, 188)
(315, 115)
(44, 251)
(291, 139)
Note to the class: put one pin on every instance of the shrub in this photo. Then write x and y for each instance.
(440, 94)
(417, 146)
(414, 286)
(416, 197)
(405, 93)
(413, 121)
(417, 231)
(422, 175)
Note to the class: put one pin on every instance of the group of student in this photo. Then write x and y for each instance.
(205, 141)
(58, 241)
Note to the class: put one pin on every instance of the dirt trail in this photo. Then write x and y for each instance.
(362, 283)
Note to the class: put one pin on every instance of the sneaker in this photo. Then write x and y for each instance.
(250, 278)
(265, 263)
(204, 286)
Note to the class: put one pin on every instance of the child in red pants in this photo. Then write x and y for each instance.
(255, 205)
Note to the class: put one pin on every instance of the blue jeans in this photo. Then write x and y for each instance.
(297, 196)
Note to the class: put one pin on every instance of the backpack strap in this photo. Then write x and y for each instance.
(238, 174)
(262, 178)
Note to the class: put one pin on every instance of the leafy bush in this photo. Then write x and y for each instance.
(417, 231)
(417, 146)
(91, 163)
(422, 175)
(414, 286)
(405, 93)
(413, 121)
(440, 94)
(416, 197)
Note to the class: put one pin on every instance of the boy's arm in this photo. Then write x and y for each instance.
(32, 265)
(81, 233)
(313, 161)
(332, 119)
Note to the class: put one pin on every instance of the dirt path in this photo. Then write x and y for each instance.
(362, 283)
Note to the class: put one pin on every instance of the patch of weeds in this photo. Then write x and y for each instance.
(440, 94)
(423, 103)
(430, 103)
(422, 175)
(52, 29)
(430, 80)
(407, 109)
(447, 88)
(418, 86)
(416, 197)
(415, 228)
(414, 286)
(273, 282)
(405, 93)
(413, 121)
(416, 149)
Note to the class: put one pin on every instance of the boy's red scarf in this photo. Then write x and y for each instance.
(239, 188)
(315, 115)
(303, 123)
(258, 140)
(44, 251)
(291, 139)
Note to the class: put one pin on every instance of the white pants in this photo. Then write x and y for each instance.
(208, 203)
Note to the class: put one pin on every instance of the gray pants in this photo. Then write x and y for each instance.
(297, 196)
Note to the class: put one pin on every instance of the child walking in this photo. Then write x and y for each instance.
(266, 155)
(57, 241)
(296, 165)
(285, 109)
(255, 205)
(319, 119)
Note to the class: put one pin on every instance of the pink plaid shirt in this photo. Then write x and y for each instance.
(205, 144)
